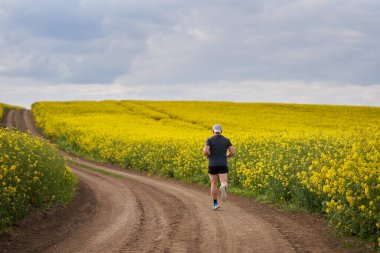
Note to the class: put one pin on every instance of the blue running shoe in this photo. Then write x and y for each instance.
(216, 205)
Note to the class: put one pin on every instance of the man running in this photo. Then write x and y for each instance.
(216, 151)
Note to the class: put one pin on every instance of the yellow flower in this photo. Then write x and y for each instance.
(350, 200)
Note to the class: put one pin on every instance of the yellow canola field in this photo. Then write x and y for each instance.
(32, 174)
(323, 158)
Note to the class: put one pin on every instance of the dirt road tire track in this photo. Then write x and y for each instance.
(145, 214)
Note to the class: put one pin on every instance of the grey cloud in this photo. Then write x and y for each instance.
(64, 20)
(304, 40)
(168, 42)
(71, 41)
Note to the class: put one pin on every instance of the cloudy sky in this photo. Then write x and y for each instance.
(307, 51)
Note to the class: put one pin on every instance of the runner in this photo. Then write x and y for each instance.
(216, 151)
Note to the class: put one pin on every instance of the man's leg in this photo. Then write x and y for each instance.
(223, 188)
(214, 183)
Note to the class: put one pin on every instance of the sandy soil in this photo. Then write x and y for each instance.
(137, 213)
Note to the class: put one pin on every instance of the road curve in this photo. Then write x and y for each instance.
(137, 213)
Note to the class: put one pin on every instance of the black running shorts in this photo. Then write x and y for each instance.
(213, 170)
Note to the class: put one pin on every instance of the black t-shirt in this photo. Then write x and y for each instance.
(218, 150)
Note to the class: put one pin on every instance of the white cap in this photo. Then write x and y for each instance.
(217, 128)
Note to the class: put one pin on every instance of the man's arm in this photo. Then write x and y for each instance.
(206, 150)
(231, 152)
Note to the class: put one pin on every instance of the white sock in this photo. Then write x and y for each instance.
(225, 184)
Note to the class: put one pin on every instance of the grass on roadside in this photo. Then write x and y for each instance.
(89, 168)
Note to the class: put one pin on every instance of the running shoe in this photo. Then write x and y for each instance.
(223, 193)
(216, 205)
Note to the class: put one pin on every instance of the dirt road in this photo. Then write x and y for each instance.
(137, 213)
